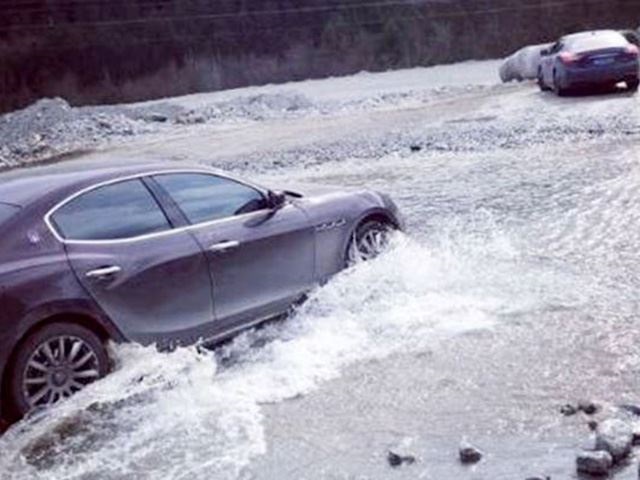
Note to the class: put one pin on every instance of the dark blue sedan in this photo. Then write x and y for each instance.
(598, 58)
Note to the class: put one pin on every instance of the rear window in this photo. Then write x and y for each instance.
(118, 211)
(7, 211)
(598, 42)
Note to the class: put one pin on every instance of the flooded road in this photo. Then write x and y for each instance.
(513, 292)
(543, 252)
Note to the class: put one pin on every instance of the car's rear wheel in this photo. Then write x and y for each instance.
(557, 86)
(633, 85)
(370, 239)
(53, 363)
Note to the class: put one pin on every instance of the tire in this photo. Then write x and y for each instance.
(633, 85)
(541, 83)
(370, 239)
(41, 376)
(561, 92)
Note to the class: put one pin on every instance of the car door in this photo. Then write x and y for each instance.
(261, 258)
(151, 280)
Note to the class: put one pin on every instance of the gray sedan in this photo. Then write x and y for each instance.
(156, 254)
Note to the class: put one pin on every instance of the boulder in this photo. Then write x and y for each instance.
(594, 463)
(568, 410)
(616, 437)
(590, 408)
(469, 454)
(632, 409)
(635, 440)
(397, 460)
(157, 117)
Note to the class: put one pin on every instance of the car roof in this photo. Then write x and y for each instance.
(591, 33)
(22, 186)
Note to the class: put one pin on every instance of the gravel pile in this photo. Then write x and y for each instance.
(52, 127)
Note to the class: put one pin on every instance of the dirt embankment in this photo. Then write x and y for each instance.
(117, 51)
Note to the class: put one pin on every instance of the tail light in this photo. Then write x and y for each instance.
(632, 50)
(568, 57)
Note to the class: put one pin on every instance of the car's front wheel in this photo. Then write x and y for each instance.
(541, 84)
(370, 239)
(53, 363)
(633, 85)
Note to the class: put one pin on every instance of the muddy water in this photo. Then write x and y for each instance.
(514, 291)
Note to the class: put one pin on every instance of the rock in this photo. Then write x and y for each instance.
(415, 148)
(614, 436)
(469, 454)
(396, 460)
(590, 408)
(568, 410)
(538, 478)
(632, 409)
(157, 117)
(593, 425)
(594, 463)
(635, 437)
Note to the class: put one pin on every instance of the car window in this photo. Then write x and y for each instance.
(118, 211)
(597, 42)
(204, 197)
(7, 211)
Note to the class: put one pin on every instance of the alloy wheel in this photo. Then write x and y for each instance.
(368, 244)
(58, 368)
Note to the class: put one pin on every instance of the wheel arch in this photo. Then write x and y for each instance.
(377, 214)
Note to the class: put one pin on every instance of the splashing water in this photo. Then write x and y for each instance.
(198, 415)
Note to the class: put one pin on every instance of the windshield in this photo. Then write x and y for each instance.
(7, 211)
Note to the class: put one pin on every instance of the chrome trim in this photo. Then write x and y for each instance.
(224, 246)
(49, 223)
(103, 272)
(331, 225)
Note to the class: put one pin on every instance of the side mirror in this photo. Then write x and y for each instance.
(276, 200)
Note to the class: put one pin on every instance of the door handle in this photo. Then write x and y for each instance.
(103, 272)
(224, 246)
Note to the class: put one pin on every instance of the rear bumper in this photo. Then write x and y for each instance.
(601, 75)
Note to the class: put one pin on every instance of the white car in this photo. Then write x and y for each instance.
(523, 65)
